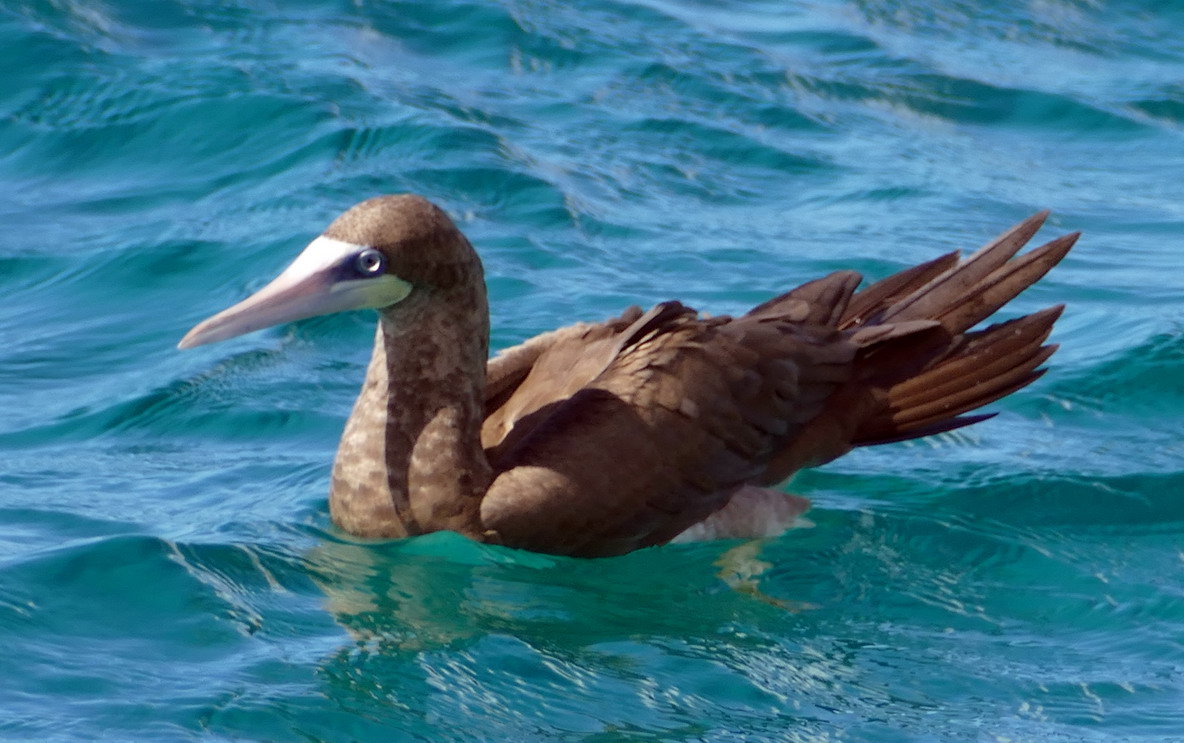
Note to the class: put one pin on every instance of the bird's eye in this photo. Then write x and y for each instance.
(370, 262)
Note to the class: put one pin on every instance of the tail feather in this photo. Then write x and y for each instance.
(1003, 284)
(966, 277)
(962, 394)
(980, 355)
(946, 424)
(975, 368)
(918, 368)
(996, 394)
(886, 292)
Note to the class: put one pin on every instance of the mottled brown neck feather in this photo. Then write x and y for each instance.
(410, 460)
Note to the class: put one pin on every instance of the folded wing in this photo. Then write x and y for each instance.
(614, 436)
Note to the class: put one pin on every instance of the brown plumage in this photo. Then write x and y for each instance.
(601, 438)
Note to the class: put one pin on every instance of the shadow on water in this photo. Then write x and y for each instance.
(442, 590)
(442, 628)
(904, 617)
(651, 639)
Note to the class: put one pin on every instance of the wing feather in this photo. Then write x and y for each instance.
(688, 410)
(606, 438)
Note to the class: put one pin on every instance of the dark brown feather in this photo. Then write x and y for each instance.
(887, 291)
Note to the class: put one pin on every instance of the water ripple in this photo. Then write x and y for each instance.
(167, 565)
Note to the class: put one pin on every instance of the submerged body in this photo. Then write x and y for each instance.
(598, 439)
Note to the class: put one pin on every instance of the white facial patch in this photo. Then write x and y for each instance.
(312, 285)
(320, 254)
(324, 254)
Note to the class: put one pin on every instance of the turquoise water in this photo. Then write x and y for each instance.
(167, 566)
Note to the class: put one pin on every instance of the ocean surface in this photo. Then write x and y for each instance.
(168, 570)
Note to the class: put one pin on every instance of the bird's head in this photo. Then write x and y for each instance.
(373, 256)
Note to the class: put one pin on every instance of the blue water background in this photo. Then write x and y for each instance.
(167, 566)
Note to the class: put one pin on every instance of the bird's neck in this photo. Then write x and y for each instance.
(410, 459)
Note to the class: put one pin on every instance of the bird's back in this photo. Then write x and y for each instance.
(605, 438)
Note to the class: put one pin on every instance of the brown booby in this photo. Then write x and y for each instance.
(602, 438)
